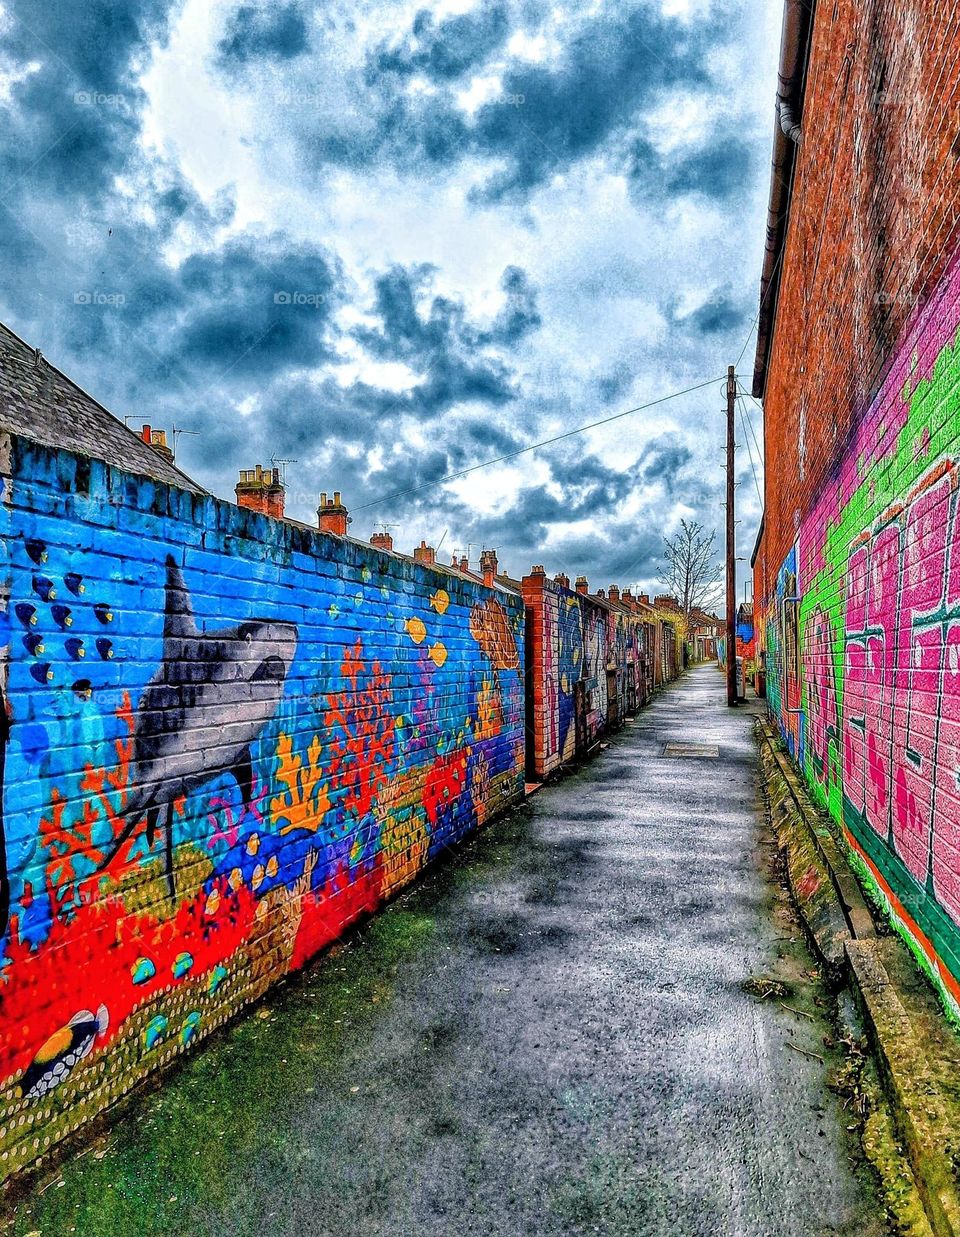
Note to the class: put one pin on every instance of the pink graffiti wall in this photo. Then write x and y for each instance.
(864, 663)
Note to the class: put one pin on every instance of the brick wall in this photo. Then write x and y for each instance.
(590, 663)
(873, 226)
(858, 572)
(229, 737)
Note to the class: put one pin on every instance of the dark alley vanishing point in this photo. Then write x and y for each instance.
(554, 1032)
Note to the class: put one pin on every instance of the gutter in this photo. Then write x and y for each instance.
(791, 87)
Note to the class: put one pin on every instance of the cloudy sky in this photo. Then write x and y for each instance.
(391, 240)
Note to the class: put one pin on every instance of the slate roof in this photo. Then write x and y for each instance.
(37, 401)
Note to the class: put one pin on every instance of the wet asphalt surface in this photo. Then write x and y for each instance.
(549, 1035)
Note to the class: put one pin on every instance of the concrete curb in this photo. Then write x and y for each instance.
(808, 877)
(829, 895)
(854, 907)
(918, 1112)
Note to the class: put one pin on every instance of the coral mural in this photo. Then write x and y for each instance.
(863, 640)
(228, 738)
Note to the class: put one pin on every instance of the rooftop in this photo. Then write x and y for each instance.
(39, 402)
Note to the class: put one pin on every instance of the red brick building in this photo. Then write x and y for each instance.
(857, 567)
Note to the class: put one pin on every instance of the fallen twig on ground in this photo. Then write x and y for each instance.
(796, 1048)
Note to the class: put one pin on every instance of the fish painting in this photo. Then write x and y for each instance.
(207, 702)
(154, 1032)
(490, 627)
(62, 1052)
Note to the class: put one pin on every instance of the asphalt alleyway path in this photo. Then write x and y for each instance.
(549, 1035)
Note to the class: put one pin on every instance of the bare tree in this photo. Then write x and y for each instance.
(691, 569)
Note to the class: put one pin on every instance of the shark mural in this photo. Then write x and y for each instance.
(225, 685)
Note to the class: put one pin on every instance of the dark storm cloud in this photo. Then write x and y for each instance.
(582, 487)
(719, 171)
(257, 305)
(442, 51)
(616, 66)
(717, 168)
(263, 32)
(440, 342)
(724, 312)
(249, 309)
(76, 108)
(616, 383)
(519, 315)
(719, 316)
(636, 553)
(488, 436)
(663, 460)
(547, 117)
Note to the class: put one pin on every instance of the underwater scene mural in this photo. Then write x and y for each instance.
(226, 738)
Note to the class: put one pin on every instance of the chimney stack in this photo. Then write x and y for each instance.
(157, 439)
(333, 515)
(488, 567)
(601, 594)
(613, 592)
(645, 599)
(382, 541)
(424, 553)
(583, 587)
(259, 489)
(562, 580)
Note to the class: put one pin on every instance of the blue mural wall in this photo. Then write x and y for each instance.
(227, 738)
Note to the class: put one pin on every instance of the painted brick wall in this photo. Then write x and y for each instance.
(228, 739)
(858, 573)
(581, 654)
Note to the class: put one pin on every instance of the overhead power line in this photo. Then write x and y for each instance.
(534, 446)
(753, 324)
(746, 441)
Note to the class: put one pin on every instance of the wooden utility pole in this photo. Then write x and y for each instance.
(733, 690)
